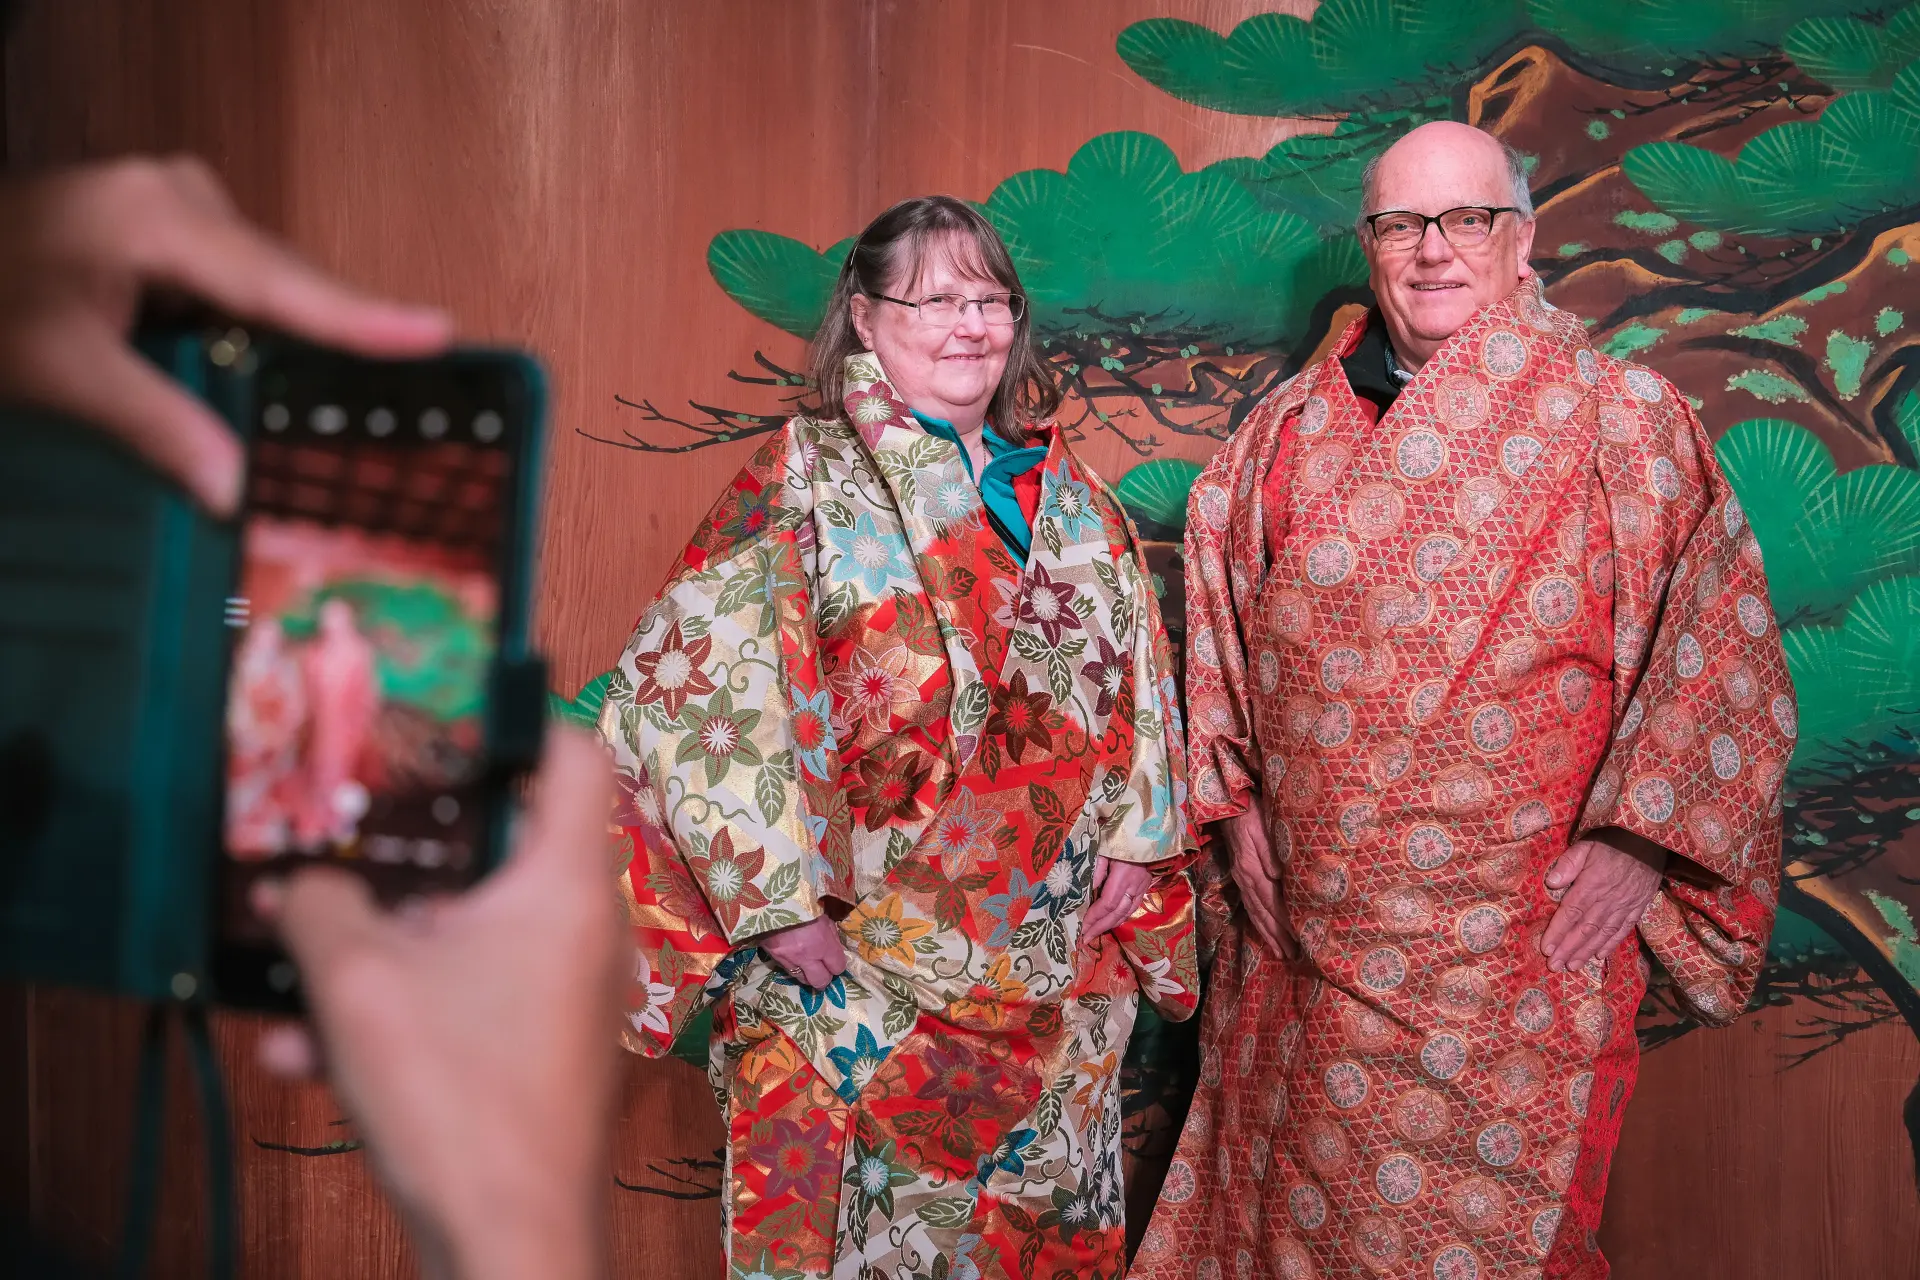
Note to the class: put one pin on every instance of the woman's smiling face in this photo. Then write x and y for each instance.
(944, 371)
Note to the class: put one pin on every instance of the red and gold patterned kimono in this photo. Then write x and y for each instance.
(1439, 648)
(852, 699)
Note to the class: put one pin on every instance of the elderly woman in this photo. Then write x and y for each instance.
(904, 796)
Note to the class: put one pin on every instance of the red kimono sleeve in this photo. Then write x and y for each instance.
(1704, 713)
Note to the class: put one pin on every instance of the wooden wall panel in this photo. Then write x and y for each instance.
(1733, 1166)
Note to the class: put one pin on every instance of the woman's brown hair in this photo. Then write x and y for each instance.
(887, 257)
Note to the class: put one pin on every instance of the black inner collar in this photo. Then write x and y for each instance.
(1367, 367)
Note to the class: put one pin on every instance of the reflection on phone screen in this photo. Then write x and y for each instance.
(369, 609)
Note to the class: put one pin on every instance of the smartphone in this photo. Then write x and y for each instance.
(379, 699)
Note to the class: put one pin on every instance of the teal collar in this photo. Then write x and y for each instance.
(1006, 462)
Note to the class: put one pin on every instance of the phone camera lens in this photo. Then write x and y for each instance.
(380, 422)
(328, 419)
(433, 423)
(275, 417)
(487, 427)
(281, 976)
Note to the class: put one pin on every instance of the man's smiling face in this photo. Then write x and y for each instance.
(1429, 290)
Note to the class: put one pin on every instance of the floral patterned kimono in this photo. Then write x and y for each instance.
(852, 699)
(1521, 606)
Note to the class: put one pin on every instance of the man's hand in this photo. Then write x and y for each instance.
(77, 251)
(811, 953)
(472, 1039)
(1608, 882)
(1117, 890)
(1257, 873)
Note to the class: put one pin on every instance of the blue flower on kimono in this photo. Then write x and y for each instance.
(1065, 879)
(767, 1269)
(813, 1000)
(1006, 1156)
(812, 730)
(1160, 807)
(1070, 502)
(1000, 907)
(868, 556)
(962, 1265)
(857, 1064)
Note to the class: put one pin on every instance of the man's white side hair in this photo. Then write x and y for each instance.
(1521, 197)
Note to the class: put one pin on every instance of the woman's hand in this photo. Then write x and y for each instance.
(1256, 872)
(811, 953)
(1117, 890)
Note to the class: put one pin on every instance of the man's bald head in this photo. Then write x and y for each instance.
(1432, 276)
(1452, 143)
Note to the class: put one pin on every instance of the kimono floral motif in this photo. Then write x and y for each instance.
(1048, 604)
(674, 672)
(728, 877)
(875, 688)
(1486, 579)
(872, 1175)
(1009, 908)
(869, 557)
(963, 834)
(846, 703)
(857, 1063)
(959, 1078)
(881, 933)
(813, 739)
(986, 1002)
(1107, 672)
(639, 803)
(671, 883)
(1022, 718)
(655, 998)
(798, 1160)
(1070, 502)
(751, 515)
(952, 500)
(889, 782)
(719, 737)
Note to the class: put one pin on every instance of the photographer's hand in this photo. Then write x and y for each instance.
(472, 1040)
(78, 249)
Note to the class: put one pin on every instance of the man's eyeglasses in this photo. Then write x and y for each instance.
(1464, 227)
(947, 308)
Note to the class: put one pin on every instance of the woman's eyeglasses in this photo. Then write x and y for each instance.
(1464, 227)
(947, 308)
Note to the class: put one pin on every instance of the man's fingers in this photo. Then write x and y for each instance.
(324, 913)
(1566, 868)
(836, 962)
(1101, 868)
(1577, 947)
(1269, 860)
(1566, 918)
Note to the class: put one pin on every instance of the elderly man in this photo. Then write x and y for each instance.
(1481, 675)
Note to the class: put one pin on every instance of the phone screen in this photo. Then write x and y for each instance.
(375, 551)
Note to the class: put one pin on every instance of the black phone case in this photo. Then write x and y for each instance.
(113, 669)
